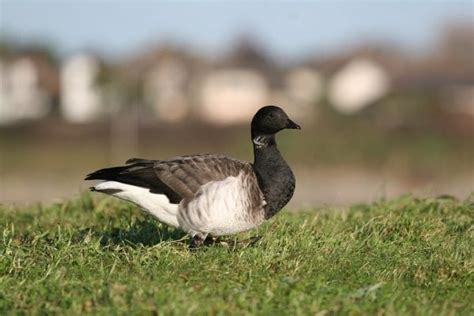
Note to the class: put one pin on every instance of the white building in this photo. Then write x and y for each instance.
(21, 96)
(80, 96)
(165, 90)
(232, 95)
(303, 88)
(357, 85)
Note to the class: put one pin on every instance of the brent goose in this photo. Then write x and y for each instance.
(210, 194)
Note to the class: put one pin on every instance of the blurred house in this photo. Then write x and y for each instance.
(232, 95)
(247, 78)
(166, 89)
(28, 84)
(303, 89)
(163, 78)
(172, 84)
(80, 94)
(360, 83)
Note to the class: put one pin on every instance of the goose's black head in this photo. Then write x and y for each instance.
(269, 120)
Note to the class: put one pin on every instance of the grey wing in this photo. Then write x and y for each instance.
(186, 175)
(137, 172)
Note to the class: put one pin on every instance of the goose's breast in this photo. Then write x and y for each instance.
(223, 207)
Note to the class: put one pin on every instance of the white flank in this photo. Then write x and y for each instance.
(219, 208)
(157, 205)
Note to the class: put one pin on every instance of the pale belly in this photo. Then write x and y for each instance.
(220, 208)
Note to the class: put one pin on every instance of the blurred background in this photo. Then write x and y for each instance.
(384, 91)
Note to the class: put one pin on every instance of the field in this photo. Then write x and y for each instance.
(406, 256)
(53, 157)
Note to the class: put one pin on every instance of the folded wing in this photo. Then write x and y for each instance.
(178, 178)
(186, 175)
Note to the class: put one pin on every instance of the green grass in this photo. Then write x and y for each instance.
(406, 256)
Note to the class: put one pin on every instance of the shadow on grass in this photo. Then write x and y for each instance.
(140, 233)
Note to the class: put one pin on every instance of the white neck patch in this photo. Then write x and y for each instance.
(260, 141)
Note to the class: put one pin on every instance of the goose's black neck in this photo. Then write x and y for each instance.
(275, 178)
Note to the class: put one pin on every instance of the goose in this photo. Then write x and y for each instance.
(207, 194)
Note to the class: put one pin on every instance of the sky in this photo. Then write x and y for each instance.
(286, 30)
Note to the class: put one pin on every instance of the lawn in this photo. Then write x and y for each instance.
(97, 255)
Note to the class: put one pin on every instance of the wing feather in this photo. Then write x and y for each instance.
(178, 178)
(185, 175)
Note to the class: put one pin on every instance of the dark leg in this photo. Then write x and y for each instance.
(211, 240)
(252, 240)
(196, 242)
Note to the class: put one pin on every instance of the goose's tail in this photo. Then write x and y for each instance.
(138, 183)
